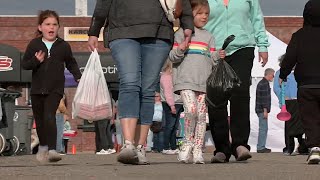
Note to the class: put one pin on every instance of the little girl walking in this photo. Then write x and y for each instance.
(192, 66)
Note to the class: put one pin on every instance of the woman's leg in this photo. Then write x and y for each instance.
(154, 53)
(173, 139)
(60, 126)
(97, 136)
(240, 102)
(169, 126)
(110, 144)
(127, 55)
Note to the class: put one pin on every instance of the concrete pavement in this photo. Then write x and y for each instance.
(271, 166)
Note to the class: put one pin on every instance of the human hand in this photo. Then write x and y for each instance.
(66, 117)
(187, 36)
(92, 43)
(280, 81)
(222, 53)
(265, 115)
(40, 55)
(173, 109)
(263, 58)
(182, 46)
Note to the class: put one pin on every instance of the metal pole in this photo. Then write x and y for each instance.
(81, 7)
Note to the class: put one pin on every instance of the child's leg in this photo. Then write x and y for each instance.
(200, 130)
(190, 110)
(201, 122)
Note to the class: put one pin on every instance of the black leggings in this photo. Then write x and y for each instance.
(44, 109)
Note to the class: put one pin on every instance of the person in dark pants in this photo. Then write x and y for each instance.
(245, 21)
(172, 108)
(171, 127)
(303, 54)
(104, 144)
(47, 55)
(263, 107)
(292, 128)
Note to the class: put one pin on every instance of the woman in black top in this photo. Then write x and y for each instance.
(140, 38)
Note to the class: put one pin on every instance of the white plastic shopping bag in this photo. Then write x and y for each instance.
(92, 99)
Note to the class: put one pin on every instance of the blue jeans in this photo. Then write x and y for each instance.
(60, 126)
(158, 141)
(263, 132)
(171, 126)
(139, 62)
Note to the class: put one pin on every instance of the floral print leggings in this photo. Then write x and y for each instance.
(195, 117)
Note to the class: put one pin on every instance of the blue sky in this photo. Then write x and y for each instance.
(66, 7)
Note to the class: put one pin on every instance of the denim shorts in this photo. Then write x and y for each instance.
(139, 62)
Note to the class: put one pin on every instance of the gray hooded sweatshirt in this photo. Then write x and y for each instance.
(191, 68)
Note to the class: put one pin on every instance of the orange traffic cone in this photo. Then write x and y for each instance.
(74, 149)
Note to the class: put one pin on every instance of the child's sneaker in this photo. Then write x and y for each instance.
(111, 151)
(128, 154)
(185, 153)
(314, 156)
(54, 156)
(197, 156)
(142, 155)
(170, 152)
(42, 154)
(103, 152)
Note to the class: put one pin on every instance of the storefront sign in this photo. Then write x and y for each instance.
(78, 34)
(5, 63)
(9, 64)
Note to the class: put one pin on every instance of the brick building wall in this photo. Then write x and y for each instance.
(18, 31)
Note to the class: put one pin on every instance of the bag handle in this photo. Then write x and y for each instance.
(227, 41)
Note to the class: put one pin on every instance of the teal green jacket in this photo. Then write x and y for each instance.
(242, 18)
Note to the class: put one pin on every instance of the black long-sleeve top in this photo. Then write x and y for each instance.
(48, 76)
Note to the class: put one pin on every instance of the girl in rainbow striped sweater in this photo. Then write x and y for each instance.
(192, 66)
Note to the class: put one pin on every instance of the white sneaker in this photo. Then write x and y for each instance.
(142, 155)
(314, 156)
(103, 152)
(42, 154)
(128, 154)
(197, 156)
(176, 151)
(54, 156)
(170, 152)
(112, 151)
(185, 153)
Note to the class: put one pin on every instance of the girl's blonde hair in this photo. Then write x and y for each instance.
(196, 3)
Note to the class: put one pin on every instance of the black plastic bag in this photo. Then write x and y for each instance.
(221, 81)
